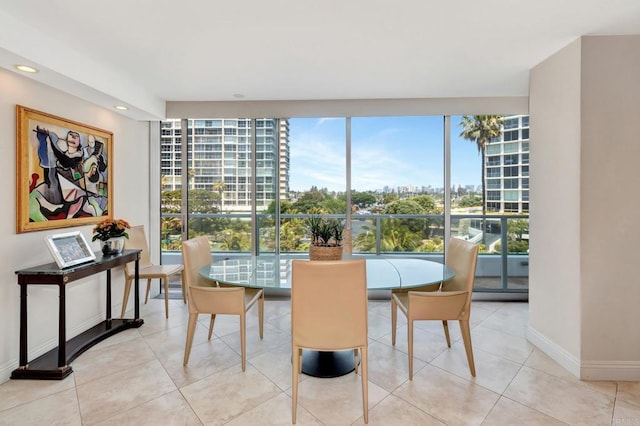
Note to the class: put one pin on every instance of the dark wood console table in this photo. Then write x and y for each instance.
(54, 365)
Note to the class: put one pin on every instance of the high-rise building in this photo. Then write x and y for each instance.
(220, 159)
(507, 167)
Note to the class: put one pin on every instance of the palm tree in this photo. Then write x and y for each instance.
(219, 187)
(480, 129)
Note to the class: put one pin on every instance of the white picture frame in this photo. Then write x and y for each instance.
(69, 249)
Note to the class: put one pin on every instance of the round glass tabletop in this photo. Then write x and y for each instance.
(271, 271)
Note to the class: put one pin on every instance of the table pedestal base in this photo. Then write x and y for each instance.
(327, 364)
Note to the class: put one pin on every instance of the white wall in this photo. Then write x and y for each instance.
(583, 283)
(554, 268)
(610, 204)
(86, 298)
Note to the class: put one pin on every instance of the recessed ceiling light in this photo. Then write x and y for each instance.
(26, 68)
(121, 107)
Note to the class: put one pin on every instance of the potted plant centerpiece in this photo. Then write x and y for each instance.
(326, 238)
(112, 233)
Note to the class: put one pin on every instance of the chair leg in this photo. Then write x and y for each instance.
(125, 298)
(466, 338)
(146, 297)
(300, 362)
(191, 329)
(295, 370)
(243, 340)
(356, 361)
(445, 324)
(183, 282)
(410, 343)
(165, 282)
(261, 314)
(211, 322)
(394, 320)
(364, 368)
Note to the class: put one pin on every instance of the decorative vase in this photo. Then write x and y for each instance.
(325, 253)
(112, 246)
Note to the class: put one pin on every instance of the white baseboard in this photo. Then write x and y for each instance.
(555, 352)
(585, 370)
(620, 371)
(6, 369)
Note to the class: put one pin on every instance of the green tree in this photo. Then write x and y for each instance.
(171, 201)
(362, 199)
(334, 206)
(310, 200)
(219, 188)
(403, 207)
(236, 241)
(479, 129)
(427, 203)
(389, 197)
(202, 201)
(516, 228)
(470, 201)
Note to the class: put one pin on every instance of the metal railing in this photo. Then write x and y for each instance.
(503, 262)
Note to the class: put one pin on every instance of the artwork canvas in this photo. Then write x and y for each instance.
(64, 172)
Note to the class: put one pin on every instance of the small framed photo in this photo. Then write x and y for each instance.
(69, 249)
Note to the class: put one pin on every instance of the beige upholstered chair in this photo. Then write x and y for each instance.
(329, 313)
(147, 270)
(205, 298)
(452, 302)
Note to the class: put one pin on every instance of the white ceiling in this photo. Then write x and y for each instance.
(143, 53)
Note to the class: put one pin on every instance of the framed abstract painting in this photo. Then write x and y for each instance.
(64, 173)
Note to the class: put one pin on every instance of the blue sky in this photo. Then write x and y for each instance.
(391, 151)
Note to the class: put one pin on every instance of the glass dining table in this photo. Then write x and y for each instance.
(274, 272)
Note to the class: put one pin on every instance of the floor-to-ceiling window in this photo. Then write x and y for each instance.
(397, 168)
(504, 178)
(402, 184)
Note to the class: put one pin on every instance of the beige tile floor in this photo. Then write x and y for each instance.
(137, 378)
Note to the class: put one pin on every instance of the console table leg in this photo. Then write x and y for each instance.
(136, 289)
(23, 325)
(108, 295)
(62, 329)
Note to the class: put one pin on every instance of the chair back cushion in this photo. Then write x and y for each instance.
(329, 304)
(137, 240)
(461, 257)
(196, 253)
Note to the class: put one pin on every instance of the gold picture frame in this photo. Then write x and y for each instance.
(64, 172)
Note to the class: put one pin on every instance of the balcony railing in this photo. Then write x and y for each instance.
(503, 262)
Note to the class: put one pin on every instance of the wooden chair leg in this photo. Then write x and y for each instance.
(165, 282)
(191, 329)
(394, 320)
(364, 368)
(211, 322)
(295, 370)
(183, 282)
(243, 340)
(261, 315)
(125, 298)
(466, 338)
(410, 343)
(445, 325)
(146, 297)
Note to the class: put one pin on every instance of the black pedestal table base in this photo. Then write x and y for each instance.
(327, 364)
